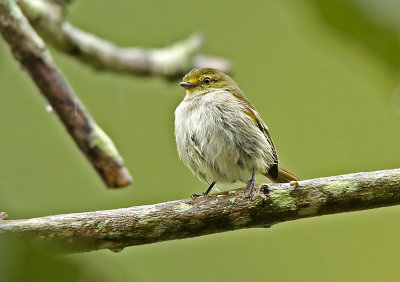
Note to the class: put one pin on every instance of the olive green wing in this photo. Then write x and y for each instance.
(251, 112)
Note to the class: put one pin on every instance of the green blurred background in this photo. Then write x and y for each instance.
(324, 75)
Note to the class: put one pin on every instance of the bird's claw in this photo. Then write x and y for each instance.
(251, 186)
(195, 196)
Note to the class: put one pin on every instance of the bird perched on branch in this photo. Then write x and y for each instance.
(220, 135)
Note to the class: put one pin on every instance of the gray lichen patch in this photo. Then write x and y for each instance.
(102, 224)
(87, 224)
(339, 187)
(182, 207)
(15, 12)
(352, 188)
(145, 210)
(101, 140)
(282, 198)
(214, 202)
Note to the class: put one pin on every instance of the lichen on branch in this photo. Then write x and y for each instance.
(227, 211)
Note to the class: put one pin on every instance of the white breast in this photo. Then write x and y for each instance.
(218, 141)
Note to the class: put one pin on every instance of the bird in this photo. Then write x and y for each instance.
(220, 135)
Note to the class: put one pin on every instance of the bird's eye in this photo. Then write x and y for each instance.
(207, 80)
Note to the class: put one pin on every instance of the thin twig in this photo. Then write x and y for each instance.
(232, 210)
(29, 49)
(47, 17)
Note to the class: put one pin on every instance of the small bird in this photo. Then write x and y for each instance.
(220, 135)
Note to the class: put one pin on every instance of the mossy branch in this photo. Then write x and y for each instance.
(29, 49)
(48, 18)
(227, 211)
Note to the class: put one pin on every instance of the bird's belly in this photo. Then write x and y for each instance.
(217, 154)
(223, 160)
(219, 146)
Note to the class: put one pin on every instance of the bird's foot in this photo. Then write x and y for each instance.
(195, 196)
(251, 186)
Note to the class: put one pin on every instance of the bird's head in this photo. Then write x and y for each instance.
(202, 81)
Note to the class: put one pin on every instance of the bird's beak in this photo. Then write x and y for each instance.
(186, 85)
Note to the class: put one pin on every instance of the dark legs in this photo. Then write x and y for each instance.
(209, 188)
(204, 193)
(251, 184)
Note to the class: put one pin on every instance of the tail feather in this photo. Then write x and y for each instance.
(284, 176)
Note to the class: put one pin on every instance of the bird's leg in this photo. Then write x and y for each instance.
(209, 188)
(194, 195)
(251, 185)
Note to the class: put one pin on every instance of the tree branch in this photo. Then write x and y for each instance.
(47, 17)
(227, 211)
(29, 49)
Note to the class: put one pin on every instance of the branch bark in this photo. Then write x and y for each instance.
(47, 17)
(29, 49)
(227, 211)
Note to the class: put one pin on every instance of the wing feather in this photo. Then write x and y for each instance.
(251, 112)
(197, 148)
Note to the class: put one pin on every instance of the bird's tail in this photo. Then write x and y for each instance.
(284, 176)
